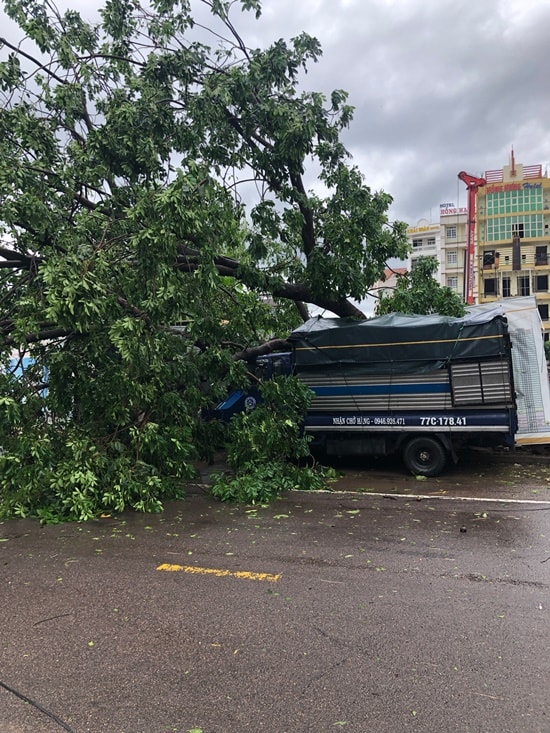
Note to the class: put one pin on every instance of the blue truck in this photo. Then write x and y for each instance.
(420, 387)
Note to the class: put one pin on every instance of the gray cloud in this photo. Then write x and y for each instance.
(438, 86)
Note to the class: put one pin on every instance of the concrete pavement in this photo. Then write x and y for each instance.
(320, 613)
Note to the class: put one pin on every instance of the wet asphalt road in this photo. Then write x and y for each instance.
(323, 612)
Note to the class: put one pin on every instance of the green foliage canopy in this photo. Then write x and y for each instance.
(419, 292)
(153, 210)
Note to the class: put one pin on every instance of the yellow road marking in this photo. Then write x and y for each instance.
(219, 573)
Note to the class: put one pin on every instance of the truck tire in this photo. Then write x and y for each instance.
(424, 456)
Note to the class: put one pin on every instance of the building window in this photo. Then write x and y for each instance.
(527, 226)
(510, 202)
(543, 311)
(489, 258)
(541, 255)
(452, 282)
(418, 242)
(450, 232)
(490, 287)
(430, 242)
(518, 229)
(452, 258)
(541, 283)
(523, 285)
(506, 287)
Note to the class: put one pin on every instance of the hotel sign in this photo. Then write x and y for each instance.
(511, 187)
(451, 208)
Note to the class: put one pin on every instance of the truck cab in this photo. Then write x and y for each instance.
(263, 368)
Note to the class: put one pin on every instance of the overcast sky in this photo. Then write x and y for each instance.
(439, 86)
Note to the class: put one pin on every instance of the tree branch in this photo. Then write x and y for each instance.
(267, 348)
(34, 61)
(33, 338)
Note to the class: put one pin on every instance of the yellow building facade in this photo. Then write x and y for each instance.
(513, 236)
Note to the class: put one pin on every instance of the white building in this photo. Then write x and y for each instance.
(454, 222)
(424, 240)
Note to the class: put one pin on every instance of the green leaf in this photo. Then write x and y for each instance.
(139, 282)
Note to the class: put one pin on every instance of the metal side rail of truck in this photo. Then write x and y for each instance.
(420, 387)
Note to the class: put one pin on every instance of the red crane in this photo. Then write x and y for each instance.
(473, 184)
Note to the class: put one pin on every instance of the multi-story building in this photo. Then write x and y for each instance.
(453, 222)
(513, 236)
(424, 240)
(444, 240)
(512, 239)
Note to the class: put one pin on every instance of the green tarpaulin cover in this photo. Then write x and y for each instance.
(399, 343)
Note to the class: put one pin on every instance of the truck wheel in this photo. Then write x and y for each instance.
(424, 456)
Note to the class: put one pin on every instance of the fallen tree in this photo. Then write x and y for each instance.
(157, 231)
